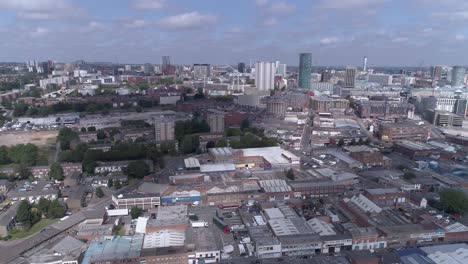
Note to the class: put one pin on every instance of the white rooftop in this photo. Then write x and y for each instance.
(274, 213)
(191, 163)
(271, 186)
(164, 238)
(217, 167)
(141, 225)
(274, 155)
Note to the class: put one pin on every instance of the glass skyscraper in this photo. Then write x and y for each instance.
(305, 70)
(458, 76)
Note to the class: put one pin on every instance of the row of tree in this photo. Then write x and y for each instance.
(28, 214)
(26, 154)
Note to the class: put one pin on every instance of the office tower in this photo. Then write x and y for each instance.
(380, 78)
(436, 72)
(326, 76)
(201, 71)
(350, 77)
(265, 75)
(147, 68)
(364, 64)
(164, 131)
(280, 69)
(458, 76)
(305, 70)
(241, 67)
(216, 122)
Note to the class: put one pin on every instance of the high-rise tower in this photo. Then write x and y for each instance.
(305, 70)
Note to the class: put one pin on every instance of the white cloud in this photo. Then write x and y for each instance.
(350, 4)
(460, 37)
(41, 9)
(138, 23)
(261, 2)
(188, 21)
(400, 39)
(329, 41)
(39, 32)
(427, 30)
(149, 4)
(93, 26)
(281, 8)
(269, 22)
(452, 16)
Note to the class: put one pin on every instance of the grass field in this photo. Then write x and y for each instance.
(34, 229)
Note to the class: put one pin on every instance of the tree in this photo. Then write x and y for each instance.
(136, 212)
(101, 134)
(117, 185)
(83, 129)
(454, 201)
(245, 124)
(186, 144)
(138, 169)
(340, 142)
(110, 183)
(360, 141)
(43, 206)
(23, 214)
(91, 129)
(138, 109)
(56, 210)
(210, 144)
(353, 142)
(23, 153)
(56, 172)
(99, 192)
(290, 174)
(65, 137)
(409, 175)
(221, 143)
(22, 171)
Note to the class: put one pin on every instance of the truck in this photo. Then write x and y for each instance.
(199, 224)
(221, 224)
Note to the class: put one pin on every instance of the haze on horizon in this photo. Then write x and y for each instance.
(336, 32)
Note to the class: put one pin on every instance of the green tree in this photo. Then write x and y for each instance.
(24, 215)
(101, 134)
(290, 174)
(245, 124)
(22, 171)
(409, 175)
(136, 212)
(340, 142)
(138, 169)
(99, 192)
(117, 185)
(65, 137)
(186, 144)
(454, 201)
(43, 206)
(221, 143)
(56, 210)
(110, 183)
(138, 109)
(83, 129)
(56, 172)
(23, 153)
(91, 129)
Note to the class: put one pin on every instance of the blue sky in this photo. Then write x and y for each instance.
(336, 32)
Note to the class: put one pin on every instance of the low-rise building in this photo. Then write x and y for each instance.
(414, 149)
(367, 238)
(412, 130)
(369, 157)
(124, 249)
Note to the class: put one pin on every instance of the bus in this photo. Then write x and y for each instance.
(221, 224)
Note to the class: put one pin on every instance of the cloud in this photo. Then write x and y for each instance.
(261, 2)
(188, 21)
(460, 37)
(451, 16)
(400, 39)
(137, 23)
(93, 26)
(269, 22)
(41, 9)
(39, 32)
(281, 8)
(329, 41)
(350, 4)
(149, 4)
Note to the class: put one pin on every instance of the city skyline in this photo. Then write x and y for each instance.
(389, 33)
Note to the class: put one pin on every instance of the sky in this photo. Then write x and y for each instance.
(336, 32)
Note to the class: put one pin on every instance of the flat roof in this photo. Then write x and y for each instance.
(120, 247)
(272, 186)
(217, 167)
(191, 163)
(414, 145)
(274, 155)
(164, 238)
(381, 191)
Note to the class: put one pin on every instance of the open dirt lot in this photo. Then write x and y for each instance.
(39, 138)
